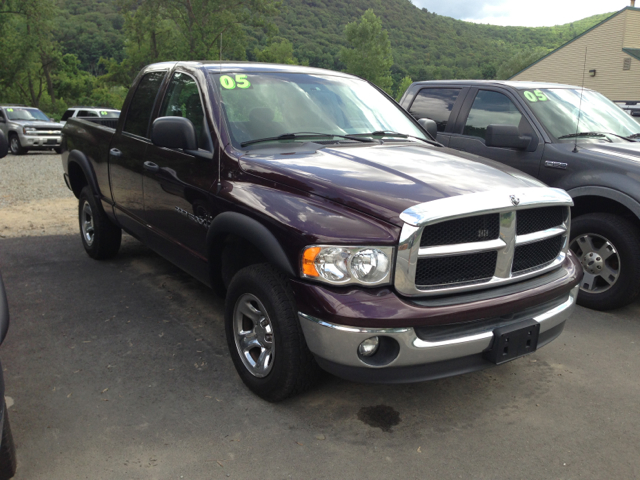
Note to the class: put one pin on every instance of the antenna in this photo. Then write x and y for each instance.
(584, 67)
(219, 119)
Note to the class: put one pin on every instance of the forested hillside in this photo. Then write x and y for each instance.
(58, 52)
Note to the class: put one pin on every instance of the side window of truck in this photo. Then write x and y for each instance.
(436, 104)
(87, 113)
(67, 115)
(183, 100)
(491, 108)
(141, 105)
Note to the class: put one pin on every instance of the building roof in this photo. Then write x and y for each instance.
(634, 52)
(576, 38)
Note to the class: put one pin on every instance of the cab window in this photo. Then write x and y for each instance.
(183, 100)
(141, 105)
(436, 104)
(491, 108)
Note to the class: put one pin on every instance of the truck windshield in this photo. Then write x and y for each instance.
(264, 106)
(15, 113)
(558, 108)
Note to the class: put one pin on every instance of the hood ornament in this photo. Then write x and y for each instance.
(514, 200)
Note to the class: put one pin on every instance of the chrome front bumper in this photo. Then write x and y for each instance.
(32, 141)
(338, 344)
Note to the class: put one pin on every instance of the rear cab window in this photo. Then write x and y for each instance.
(141, 106)
(436, 104)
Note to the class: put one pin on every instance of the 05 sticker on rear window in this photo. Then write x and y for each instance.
(237, 81)
(535, 96)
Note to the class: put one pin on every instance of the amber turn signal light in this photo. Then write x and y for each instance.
(308, 261)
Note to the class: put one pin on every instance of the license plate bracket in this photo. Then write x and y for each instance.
(513, 341)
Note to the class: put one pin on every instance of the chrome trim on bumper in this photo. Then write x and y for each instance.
(339, 343)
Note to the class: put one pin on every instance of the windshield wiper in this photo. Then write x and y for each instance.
(293, 136)
(635, 135)
(387, 133)
(597, 134)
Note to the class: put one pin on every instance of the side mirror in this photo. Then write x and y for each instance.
(430, 126)
(174, 132)
(4, 145)
(506, 136)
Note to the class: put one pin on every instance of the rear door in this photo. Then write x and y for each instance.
(176, 184)
(440, 104)
(127, 153)
(494, 106)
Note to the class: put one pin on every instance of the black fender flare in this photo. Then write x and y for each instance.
(76, 156)
(251, 230)
(609, 193)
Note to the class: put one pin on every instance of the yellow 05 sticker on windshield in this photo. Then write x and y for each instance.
(535, 96)
(237, 81)
(9, 109)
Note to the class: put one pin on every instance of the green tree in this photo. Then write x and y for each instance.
(402, 87)
(370, 56)
(278, 51)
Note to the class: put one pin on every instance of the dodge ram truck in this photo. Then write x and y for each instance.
(342, 235)
(569, 138)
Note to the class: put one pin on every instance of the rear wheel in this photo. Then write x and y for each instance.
(7, 450)
(14, 145)
(100, 236)
(608, 246)
(264, 336)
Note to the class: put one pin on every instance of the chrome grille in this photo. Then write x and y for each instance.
(437, 271)
(47, 131)
(481, 240)
(462, 230)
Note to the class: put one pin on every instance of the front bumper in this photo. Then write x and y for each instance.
(37, 141)
(412, 355)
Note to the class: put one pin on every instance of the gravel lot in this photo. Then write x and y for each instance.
(34, 199)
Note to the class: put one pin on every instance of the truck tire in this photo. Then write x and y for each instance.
(14, 145)
(100, 236)
(264, 335)
(608, 246)
(7, 449)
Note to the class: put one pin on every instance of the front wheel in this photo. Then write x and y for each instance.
(264, 336)
(100, 236)
(14, 145)
(608, 246)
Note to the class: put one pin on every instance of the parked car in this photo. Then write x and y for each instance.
(342, 236)
(27, 128)
(95, 112)
(568, 138)
(7, 447)
(632, 108)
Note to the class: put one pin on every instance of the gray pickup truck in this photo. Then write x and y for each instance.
(567, 137)
(27, 128)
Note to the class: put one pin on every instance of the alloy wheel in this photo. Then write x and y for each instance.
(600, 261)
(253, 334)
(86, 220)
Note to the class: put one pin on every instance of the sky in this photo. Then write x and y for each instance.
(541, 13)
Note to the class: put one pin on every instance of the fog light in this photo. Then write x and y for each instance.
(369, 347)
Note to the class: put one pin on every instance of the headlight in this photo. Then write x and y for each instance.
(342, 265)
(29, 130)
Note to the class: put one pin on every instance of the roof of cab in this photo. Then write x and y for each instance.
(508, 83)
(252, 67)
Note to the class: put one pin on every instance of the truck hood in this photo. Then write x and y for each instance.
(382, 180)
(624, 151)
(39, 124)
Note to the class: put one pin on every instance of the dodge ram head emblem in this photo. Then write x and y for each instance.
(515, 200)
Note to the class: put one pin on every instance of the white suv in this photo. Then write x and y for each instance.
(96, 112)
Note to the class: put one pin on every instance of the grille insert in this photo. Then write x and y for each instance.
(462, 230)
(536, 255)
(457, 269)
(538, 219)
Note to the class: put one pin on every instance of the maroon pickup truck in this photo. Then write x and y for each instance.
(342, 235)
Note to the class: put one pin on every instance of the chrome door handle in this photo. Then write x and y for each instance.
(150, 166)
(114, 152)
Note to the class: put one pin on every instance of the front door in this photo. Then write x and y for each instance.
(178, 204)
(492, 107)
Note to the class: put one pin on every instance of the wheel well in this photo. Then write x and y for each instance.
(230, 254)
(595, 204)
(77, 178)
